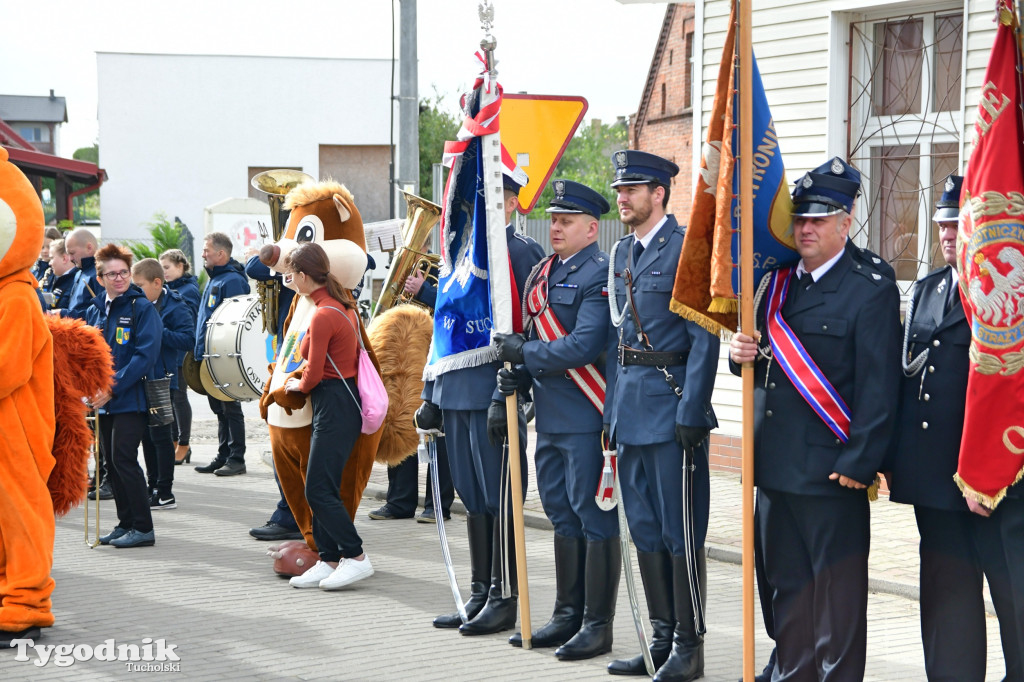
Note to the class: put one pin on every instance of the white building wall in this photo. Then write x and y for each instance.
(179, 132)
(802, 51)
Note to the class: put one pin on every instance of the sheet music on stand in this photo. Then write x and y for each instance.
(384, 235)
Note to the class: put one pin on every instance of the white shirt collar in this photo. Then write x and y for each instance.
(820, 271)
(649, 237)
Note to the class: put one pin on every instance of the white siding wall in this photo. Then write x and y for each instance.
(179, 132)
(802, 51)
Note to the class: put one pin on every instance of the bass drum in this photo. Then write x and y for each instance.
(238, 350)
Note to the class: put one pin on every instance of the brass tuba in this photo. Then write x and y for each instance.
(275, 184)
(421, 217)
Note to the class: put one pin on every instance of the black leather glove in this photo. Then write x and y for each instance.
(691, 436)
(428, 416)
(497, 424)
(510, 347)
(509, 381)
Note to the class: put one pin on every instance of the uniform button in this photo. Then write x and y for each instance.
(915, 336)
(566, 375)
(837, 441)
(936, 343)
(824, 327)
(924, 425)
(927, 397)
(634, 290)
(771, 385)
(768, 413)
(931, 369)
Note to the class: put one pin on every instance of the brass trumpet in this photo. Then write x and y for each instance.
(275, 184)
(421, 217)
(94, 542)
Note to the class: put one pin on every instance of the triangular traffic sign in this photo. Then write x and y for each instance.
(536, 129)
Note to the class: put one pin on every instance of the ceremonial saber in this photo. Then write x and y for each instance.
(696, 598)
(627, 569)
(431, 442)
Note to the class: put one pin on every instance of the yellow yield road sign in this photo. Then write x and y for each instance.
(536, 129)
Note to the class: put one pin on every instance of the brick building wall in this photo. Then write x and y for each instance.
(663, 124)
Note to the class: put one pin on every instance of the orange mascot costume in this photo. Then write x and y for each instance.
(26, 417)
(326, 213)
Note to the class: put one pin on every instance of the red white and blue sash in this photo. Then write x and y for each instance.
(587, 378)
(799, 366)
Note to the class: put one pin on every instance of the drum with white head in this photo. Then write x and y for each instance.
(238, 349)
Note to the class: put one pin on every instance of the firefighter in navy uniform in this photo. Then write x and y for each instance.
(812, 476)
(460, 400)
(924, 458)
(655, 415)
(563, 362)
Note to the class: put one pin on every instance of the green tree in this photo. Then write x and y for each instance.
(164, 234)
(87, 206)
(436, 126)
(587, 159)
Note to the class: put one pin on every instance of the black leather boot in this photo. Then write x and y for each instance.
(686, 662)
(498, 613)
(604, 566)
(656, 572)
(480, 528)
(570, 554)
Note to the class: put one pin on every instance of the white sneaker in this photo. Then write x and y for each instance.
(347, 572)
(313, 576)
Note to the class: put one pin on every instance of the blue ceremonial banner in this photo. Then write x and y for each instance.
(463, 313)
(774, 246)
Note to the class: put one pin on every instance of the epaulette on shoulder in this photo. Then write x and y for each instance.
(600, 257)
(869, 273)
(936, 272)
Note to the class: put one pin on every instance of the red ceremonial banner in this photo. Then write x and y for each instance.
(990, 256)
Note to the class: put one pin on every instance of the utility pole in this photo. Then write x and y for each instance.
(408, 107)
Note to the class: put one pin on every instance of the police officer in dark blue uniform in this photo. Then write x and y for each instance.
(658, 405)
(811, 478)
(464, 398)
(567, 309)
(924, 458)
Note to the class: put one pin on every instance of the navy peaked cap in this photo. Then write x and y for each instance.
(633, 167)
(575, 197)
(947, 208)
(828, 189)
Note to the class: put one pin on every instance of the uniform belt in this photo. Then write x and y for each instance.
(631, 356)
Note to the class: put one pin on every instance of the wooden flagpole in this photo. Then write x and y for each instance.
(747, 327)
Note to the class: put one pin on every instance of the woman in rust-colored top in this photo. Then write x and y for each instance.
(330, 348)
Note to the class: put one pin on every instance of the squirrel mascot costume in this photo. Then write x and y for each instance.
(324, 212)
(37, 478)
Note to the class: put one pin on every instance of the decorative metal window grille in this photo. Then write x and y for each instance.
(904, 131)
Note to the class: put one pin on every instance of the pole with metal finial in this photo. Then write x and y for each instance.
(498, 273)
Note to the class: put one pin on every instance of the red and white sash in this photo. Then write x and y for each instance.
(798, 365)
(587, 378)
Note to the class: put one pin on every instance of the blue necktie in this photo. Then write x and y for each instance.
(638, 250)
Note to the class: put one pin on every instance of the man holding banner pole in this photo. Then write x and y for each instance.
(658, 410)
(826, 391)
(484, 265)
(562, 360)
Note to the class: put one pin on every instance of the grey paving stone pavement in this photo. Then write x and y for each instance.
(207, 588)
